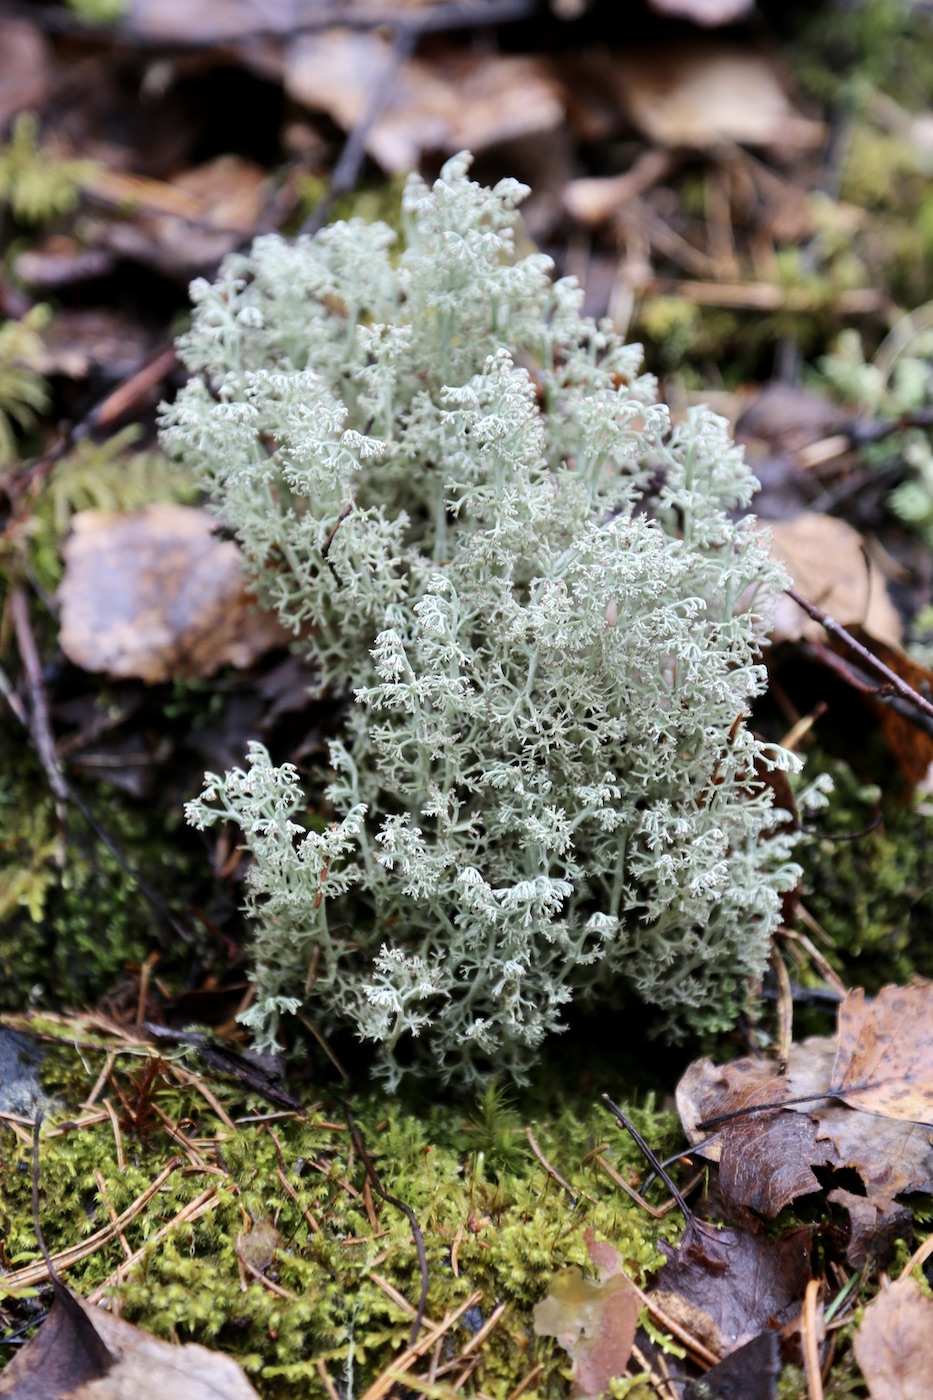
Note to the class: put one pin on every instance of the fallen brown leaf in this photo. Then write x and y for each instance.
(157, 595)
(911, 746)
(594, 1321)
(182, 227)
(701, 93)
(456, 102)
(82, 1353)
(884, 1063)
(66, 1352)
(765, 1161)
(24, 68)
(827, 563)
(743, 1283)
(894, 1344)
(750, 1373)
(875, 1225)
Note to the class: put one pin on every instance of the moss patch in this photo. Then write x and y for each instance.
(295, 1260)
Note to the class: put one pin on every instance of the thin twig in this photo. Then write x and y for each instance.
(809, 1336)
(552, 1172)
(384, 1383)
(835, 629)
(373, 1175)
(41, 726)
(652, 1159)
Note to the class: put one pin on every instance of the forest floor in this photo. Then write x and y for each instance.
(744, 191)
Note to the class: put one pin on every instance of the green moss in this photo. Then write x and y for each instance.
(71, 918)
(502, 1231)
(873, 895)
(34, 183)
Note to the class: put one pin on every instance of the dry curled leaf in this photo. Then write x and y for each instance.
(700, 94)
(157, 595)
(457, 101)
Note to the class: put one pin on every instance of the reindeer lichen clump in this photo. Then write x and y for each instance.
(464, 497)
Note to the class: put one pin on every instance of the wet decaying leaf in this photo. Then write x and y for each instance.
(894, 1344)
(743, 1283)
(766, 1158)
(875, 1225)
(594, 1320)
(750, 1373)
(82, 1353)
(157, 595)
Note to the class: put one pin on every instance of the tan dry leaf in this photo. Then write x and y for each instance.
(187, 225)
(884, 1063)
(156, 595)
(459, 102)
(894, 1344)
(828, 565)
(705, 93)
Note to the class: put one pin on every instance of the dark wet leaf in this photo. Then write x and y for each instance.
(83, 1353)
(745, 1283)
(65, 1354)
(748, 1374)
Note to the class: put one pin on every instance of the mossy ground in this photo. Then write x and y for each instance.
(332, 1272)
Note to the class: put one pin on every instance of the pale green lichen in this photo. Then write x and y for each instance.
(549, 619)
